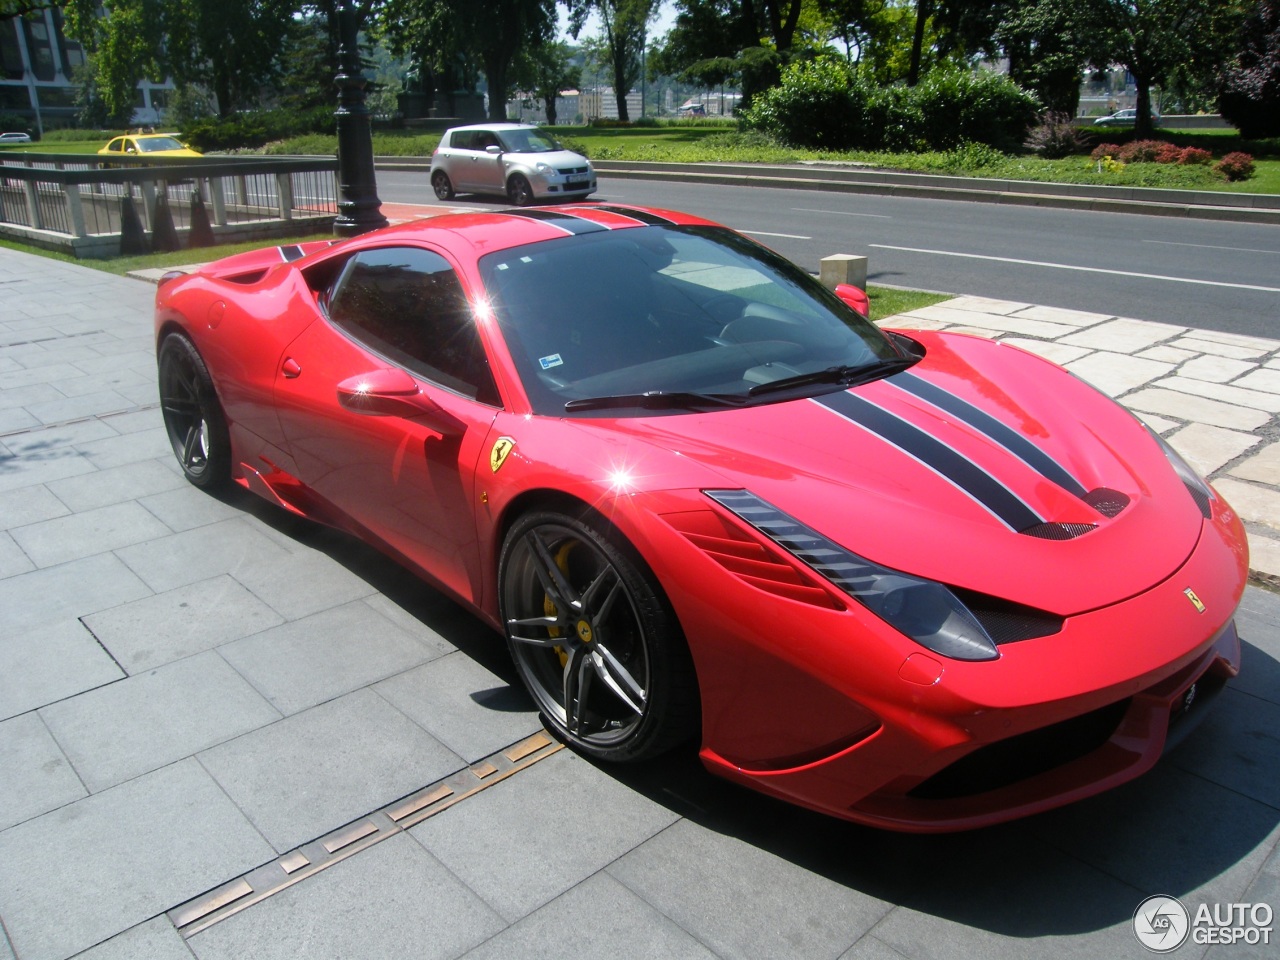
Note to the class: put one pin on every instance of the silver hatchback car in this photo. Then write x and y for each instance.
(513, 160)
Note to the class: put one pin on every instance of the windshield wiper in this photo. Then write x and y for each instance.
(846, 376)
(656, 400)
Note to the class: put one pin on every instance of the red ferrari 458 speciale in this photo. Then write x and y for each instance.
(919, 580)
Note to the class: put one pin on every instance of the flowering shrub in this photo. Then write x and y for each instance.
(1142, 151)
(1194, 155)
(1105, 150)
(1235, 166)
(1109, 165)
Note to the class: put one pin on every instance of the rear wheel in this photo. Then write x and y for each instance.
(594, 641)
(441, 185)
(519, 191)
(192, 415)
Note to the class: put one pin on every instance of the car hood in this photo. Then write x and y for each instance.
(983, 467)
(556, 158)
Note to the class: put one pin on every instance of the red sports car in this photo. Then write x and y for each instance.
(918, 580)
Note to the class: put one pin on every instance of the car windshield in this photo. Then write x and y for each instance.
(671, 317)
(154, 144)
(527, 141)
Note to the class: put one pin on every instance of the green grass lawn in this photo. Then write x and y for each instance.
(721, 142)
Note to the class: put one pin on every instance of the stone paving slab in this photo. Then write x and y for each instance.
(152, 639)
(1216, 395)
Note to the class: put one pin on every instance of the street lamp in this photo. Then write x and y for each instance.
(359, 209)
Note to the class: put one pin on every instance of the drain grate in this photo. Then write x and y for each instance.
(310, 858)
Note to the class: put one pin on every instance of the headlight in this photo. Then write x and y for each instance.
(543, 168)
(1200, 491)
(927, 612)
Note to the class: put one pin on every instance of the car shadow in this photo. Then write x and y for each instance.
(1079, 869)
(1202, 813)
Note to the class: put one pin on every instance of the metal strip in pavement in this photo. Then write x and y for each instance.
(309, 859)
(1070, 266)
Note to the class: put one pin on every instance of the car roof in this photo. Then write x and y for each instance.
(501, 125)
(481, 231)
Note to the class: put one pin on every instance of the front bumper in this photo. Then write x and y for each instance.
(1054, 720)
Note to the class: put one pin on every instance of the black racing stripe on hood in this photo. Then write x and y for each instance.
(566, 222)
(290, 253)
(640, 216)
(949, 464)
(993, 429)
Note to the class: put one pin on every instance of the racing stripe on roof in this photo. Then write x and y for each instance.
(566, 222)
(993, 429)
(640, 216)
(1005, 505)
(290, 253)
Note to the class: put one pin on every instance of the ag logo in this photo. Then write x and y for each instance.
(1161, 924)
(498, 455)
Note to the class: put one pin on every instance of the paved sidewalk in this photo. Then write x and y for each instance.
(205, 699)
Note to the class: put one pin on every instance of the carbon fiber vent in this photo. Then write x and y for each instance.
(1008, 622)
(1107, 502)
(1058, 531)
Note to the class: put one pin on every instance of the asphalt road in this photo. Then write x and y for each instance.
(1207, 274)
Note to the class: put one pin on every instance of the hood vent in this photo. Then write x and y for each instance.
(1058, 531)
(1107, 502)
(1110, 503)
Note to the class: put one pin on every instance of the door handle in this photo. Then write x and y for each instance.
(290, 368)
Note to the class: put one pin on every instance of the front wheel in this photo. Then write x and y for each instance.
(519, 191)
(441, 184)
(192, 415)
(594, 640)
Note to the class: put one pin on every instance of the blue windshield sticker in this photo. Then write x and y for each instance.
(551, 361)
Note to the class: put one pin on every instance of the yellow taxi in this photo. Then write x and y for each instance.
(148, 145)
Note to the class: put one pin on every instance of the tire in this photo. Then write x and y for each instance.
(519, 192)
(192, 415)
(441, 185)
(594, 640)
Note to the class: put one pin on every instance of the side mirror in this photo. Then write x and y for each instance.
(854, 297)
(493, 150)
(393, 393)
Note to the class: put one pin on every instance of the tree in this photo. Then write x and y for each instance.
(231, 46)
(758, 35)
(1250, 89)
(1153, 39)
(625, 25)
(549, 70)
(451, 36)
(1048, 44)
(9, 9)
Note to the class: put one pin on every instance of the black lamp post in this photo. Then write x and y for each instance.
(359, 209)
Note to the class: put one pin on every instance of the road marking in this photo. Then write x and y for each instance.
(1210, 246)
(761, 233)
(1070, 266)
(843, 213)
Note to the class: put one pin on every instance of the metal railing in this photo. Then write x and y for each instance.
(95, 207)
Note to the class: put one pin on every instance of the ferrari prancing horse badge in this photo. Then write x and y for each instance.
(498, 455)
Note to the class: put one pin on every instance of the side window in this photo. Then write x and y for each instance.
(406, 304)
(463, 140)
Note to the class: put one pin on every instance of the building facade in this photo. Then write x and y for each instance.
(38, 65)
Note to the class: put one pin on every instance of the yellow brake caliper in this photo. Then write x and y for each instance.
(549, 608)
